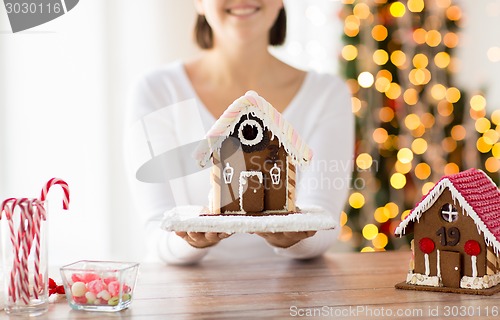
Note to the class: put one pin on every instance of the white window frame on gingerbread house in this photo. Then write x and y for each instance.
(449, 213)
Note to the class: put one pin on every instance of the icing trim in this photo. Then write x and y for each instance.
(485, 282)
(244, 175)
(258, 138)
(252, 103)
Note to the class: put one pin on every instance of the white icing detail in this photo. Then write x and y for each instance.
(188, 218)
(252, 123)
(456, 268)
(438, 264)
(244, 175)
(449, 212)
(474, 266)
(275, 174)
(427, 268)
(485, 282)
(228, 173)
(423, 280)
(431, 198)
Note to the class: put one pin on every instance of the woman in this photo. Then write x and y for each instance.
(235, 36)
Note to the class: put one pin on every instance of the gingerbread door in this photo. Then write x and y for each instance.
(451, 271)
(251, 191)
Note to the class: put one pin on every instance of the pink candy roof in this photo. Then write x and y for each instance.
(252, 103)
(478, 196)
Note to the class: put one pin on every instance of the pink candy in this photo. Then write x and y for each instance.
(114, 288)
(96, 286)
(99, 290)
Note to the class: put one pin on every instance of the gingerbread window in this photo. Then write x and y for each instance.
(250, 132)
(449, 213)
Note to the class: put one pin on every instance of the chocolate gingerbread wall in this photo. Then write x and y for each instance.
(260, 159)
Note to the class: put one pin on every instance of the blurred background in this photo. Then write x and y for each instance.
(425, 96)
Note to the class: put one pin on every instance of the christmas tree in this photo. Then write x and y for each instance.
(413, 124)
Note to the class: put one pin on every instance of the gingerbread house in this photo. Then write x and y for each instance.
(456, 231)
(254, 153)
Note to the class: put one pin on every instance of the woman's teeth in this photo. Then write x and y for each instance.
(242, 11)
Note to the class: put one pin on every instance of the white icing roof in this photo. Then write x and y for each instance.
(252, 103)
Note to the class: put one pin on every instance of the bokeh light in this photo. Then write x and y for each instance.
(412, 121)
(361, 10)
(416, 5)
(386, 114)
(452, 95)
(349, 52)
(420, 61)
(364, 161)
(381, 214)
(397, 9)
(482, 125)
(380, 135)
(356, 200)
(427, 187)
(492, 164)
(380, 57)
(380, 241)
(398, 180)
(419, 146)
(405, 155)
(477, 102)
(458, 132)
(451, 168)
(370, 231)
(410, 96)
(483, 146)
(454, 13)
(433, 38)
(419, 35)
(422, 171)
(398, 58)
(379, 32)
(365, 79)
(442, 59)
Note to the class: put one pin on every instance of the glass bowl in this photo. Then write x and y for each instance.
(99, 285)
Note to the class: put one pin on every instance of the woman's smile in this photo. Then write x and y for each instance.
(242, 10)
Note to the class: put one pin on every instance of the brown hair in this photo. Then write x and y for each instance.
(204, 37)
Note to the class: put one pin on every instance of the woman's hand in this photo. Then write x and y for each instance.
(285, 239)
(202, 239)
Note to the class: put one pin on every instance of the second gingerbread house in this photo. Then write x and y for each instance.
(456, 231)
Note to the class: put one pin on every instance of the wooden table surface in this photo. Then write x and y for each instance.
(336, 286)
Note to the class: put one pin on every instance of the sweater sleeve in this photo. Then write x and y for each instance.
(326, 181)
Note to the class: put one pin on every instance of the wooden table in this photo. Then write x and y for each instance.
(336, 286)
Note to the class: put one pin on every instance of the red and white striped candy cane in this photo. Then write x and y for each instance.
(16, 243)
(37, 217)
(25, 236)
(63, 185)
(8, 206)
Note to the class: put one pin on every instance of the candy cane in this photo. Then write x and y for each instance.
(16, 242)
(37, 217)
(8, 209)
(64, 186)
(25, 236)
